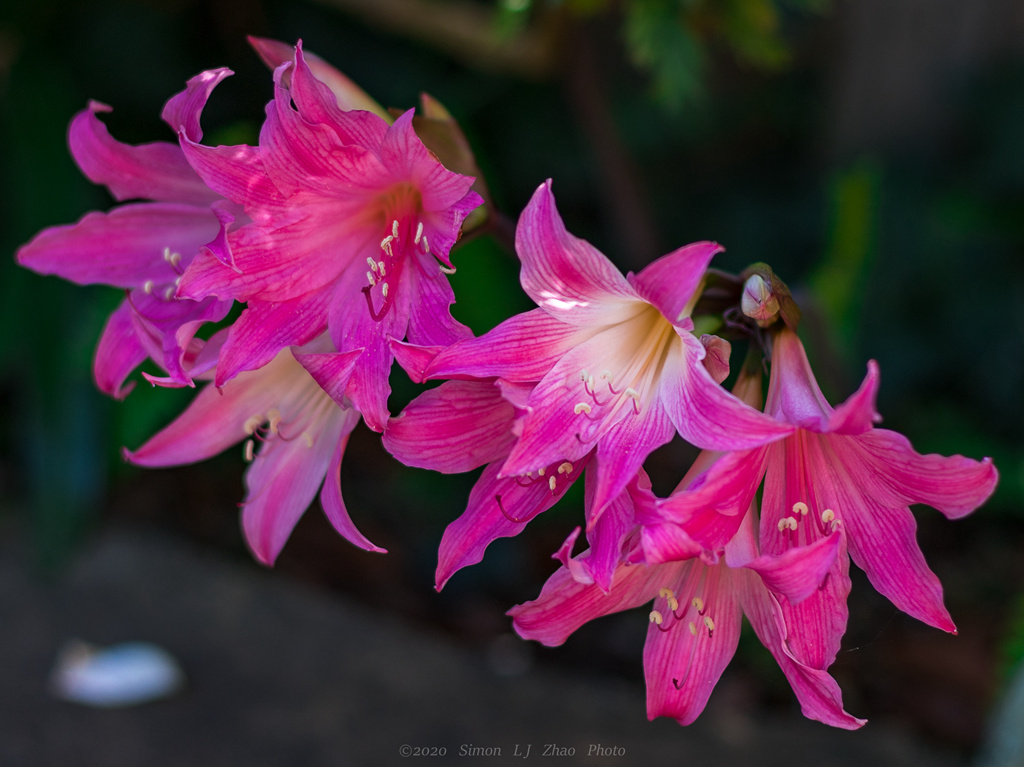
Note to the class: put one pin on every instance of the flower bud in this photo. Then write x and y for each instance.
(759, 302)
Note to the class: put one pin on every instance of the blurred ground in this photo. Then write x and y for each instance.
(280, 672)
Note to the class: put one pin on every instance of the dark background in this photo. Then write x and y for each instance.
(871, 152)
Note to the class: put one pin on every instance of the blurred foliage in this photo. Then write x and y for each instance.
(670, 40)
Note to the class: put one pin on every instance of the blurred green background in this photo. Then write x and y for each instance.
(871, 152)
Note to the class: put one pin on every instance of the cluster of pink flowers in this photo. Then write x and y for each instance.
(336, 233)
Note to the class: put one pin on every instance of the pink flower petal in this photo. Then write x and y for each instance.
(156, 171)
(263, 330)
(704, 413)
(484, 520)
(331, 370)
(670, 282)
(347, 93)
(317, 103)
(683, 664)
(182, 112)
(568, 277)
(118, 354)
(453, 428)
(125, 247)
(819, 695)
(565, 604)
(282, 481)
(522, 349)
(330, 496)
(954, 485)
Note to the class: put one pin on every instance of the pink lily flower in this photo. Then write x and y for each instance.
(143, 247)
(352, 223)
(301, 431)
(619, 371)
(838, 471)
(464, 424)
(695, 621)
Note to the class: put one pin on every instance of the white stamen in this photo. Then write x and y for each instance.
(632, 393)
(551, 483)
(380, 268)
(800, 508)
(581, 407)
(446, 270)
(419, 233)
(394, 228)
(248, 450)
(384, 290)
(371, 279)
(787, 523)
(169, 293)
(426, 246)
(147, 287)
(828, 516)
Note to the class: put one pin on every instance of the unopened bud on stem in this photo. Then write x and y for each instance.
(759, 302)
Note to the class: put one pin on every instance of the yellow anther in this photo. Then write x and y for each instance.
(551, 483)
(419, 233)
(693, 628)
(827, 516)
(426, 245)
(698, 604)
(666, 592)
(394, 228)
(673, 604)
(252, 423)
(248, 449)
(655, 617)
(273, 419)
(384, 290)
(581, 407)
(800, 508)
(565, 468)
(171, 258)
(709, 623)
(371, 279)
(787, 523)
(370, 262)
(540, 471)
(147, 287)
(632, 393)
(381, 268)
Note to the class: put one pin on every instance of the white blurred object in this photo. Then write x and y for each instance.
(121, 675)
